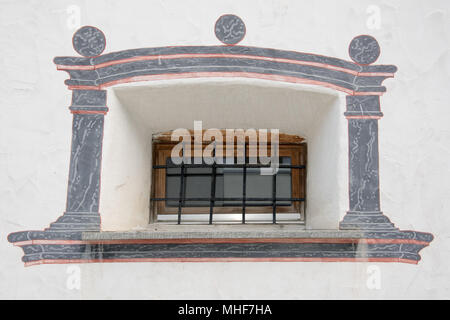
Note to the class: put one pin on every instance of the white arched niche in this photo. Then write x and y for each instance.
(138, 110)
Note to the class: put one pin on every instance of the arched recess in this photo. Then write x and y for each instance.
(144, 109)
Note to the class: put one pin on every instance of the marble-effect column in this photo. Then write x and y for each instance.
(364, 212)
(83, 192)
(88, 108)
(363, 113)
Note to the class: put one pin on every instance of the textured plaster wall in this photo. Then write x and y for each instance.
(414, 141)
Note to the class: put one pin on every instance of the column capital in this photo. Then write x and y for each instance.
(88, 102)
(363, 107)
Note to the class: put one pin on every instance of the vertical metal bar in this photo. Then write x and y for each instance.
(244, 184)
(213, 186)
(181, 196)
(274, 185)
(274, 197)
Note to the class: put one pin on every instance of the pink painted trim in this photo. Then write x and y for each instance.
(368, 93)
(62, 67)
(222, 55)
(84, 88)
(376, 74)
(363, 117)
(65, 261)
(88, 112)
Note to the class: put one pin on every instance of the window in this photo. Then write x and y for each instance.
(232, 191)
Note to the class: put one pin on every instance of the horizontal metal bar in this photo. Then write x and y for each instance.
(288, 166)
(233, 219)
(192, 174)
(229, 199)
(250, 204)
(235, 204)
(217, 174)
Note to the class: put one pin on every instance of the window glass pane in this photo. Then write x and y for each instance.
(229, 184)
(260, 186)
(232, 185)
(197, 184)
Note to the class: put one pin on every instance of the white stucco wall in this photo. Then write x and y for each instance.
(35, 133)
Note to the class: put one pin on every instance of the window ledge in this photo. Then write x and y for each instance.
(231, 231)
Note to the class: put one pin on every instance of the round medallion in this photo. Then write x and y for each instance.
(89, 41)
(364, 49)
(229, 29)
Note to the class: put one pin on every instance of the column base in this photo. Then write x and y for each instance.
(76, 221)
(366, 221)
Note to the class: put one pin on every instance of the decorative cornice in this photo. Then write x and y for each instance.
(97, 71)
(220, 61)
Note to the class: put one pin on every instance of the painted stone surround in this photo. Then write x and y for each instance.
(365, 234)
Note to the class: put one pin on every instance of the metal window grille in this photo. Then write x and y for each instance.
(182, 199)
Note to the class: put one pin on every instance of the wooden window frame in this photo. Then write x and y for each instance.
(289, 145)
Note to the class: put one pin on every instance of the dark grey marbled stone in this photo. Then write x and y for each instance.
(84, 108)
(229, 29)
(89, 41)
(188, 65)
(416, 235)
(72, 61)
(356, 217)
(366, 113)
(364, 49)
(231, 50)
(74, 226)
(99, 251)
(85, 163)
(77, 235)
(44, 235)
(363, 165)
(76, 217)
(363, 105)
(89, 98)
(221, 250)
(364, 193)
(372, 225)
(182, 65)
(370, 89)
(379, 68)
(365, 81)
